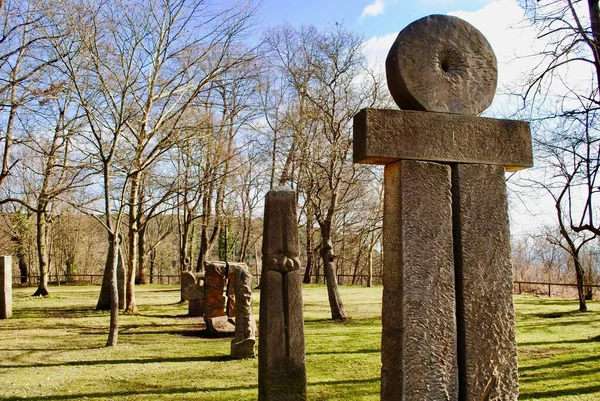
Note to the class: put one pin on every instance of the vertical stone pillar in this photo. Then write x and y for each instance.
(418, 348)
(281, 355)
(486, 319)
(5, 287)
(214, 285)
(242, 346)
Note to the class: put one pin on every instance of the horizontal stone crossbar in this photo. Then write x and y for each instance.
(386, 136)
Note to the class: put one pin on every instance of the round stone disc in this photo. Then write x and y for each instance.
(442, 63)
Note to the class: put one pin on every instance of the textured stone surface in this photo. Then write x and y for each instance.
(215, 288)
(281, 353)
(280, 244)
(442, 63)
(220, 326)
(5, 287)
(418, 348)
(384, 136)
(191, 286)
(196, 308)
(242, 346)
(485, 312)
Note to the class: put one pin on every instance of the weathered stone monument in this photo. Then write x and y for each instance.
(214, 289)
(5, 287)
(192, 290)
(242, 346)
(448, 317)
(281, 356)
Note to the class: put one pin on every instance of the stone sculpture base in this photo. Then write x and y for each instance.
(196, 308)
(243, 349)
(222, 326)
(5, 287)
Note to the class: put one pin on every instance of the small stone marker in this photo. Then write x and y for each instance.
(192, 290)
(448, 318)
(281, 355)
(5, 287)
(242, 346)
(191, 285)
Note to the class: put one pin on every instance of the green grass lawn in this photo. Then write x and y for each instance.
(53, 349)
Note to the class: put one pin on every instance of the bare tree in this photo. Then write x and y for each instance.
(23, 61)
(328, 84)
(563, 108)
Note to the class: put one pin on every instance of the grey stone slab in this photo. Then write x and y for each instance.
(418, 348)
(281, 352)
(486, 319)
(442, 63)
(385, 136)
(191, 286)
(5, 287)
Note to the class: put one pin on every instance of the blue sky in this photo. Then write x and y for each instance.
(379, 21)
(368, 17)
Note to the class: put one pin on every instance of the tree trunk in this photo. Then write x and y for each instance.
(309, 245)
(370, 266)
(113, 333)
(42, 247)
(141, 277)
(152, 263)
(104, 299)
(580, 290)
(22, 260)
(328, 257)
(132, 257)
(357, 265)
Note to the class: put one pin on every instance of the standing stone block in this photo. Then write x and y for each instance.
(486, 319)
(281, 354)
(242, 346)
(418, 348)
(5, 287)
(214, 289)
(191, 286)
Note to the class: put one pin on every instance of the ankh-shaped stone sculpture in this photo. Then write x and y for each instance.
(448, 317)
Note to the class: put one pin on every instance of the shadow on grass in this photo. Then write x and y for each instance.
(555, 315)
(219, 358)
(170, 391)
(358, 351)
(578, 341)
(342, 382)
(560, 363)
(538, 395)
(125, 394)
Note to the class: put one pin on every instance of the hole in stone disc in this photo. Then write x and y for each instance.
(444, 65)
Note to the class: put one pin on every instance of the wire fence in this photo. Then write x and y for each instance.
(519, 287)
(86, 279)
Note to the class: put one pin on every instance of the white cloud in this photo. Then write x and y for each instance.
(376, 50)
(373, 9)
